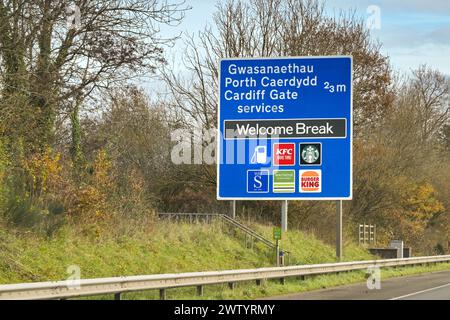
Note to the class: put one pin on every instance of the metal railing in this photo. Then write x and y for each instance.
(367, 234)
(117, 286)
(248, 231)
(190, 217)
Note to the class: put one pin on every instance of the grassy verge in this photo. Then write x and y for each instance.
(172, 248)
(164, 248)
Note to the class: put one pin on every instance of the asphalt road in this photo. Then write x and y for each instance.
(431, 286)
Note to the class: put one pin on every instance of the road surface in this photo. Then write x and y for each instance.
(431, 286)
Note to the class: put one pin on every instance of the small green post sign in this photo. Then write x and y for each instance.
(277, 233)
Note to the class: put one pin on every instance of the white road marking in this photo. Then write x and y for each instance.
(419, 292)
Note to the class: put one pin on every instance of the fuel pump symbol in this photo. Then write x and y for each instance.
(259, 156)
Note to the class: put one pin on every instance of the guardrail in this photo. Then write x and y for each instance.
(119, 285)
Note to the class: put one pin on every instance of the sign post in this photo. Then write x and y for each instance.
(277, 237)
(285, 129)
(233, 209)
(339, 229)
(284, 213)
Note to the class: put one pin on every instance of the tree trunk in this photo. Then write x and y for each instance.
(76, 149)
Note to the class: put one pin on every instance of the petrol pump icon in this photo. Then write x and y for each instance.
(259, 156)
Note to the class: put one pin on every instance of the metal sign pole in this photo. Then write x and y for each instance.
(233, 209)
(284, 212)
(339, 229)
(278, 253)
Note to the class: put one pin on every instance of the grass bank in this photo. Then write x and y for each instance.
(164, 248)
(172, 248)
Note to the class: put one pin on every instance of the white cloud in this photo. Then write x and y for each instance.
(435, 56)
(410, 6)
(423, 6)
(412, 36)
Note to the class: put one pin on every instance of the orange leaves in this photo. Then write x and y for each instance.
(90, 199)
(418, 206)
(43, 172)
(422, 204)
(102, 168)
(88, 203)
(49, 181)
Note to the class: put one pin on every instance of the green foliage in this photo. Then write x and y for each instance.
(29, 198)
(4, 163)
(25, 213)
(113, 164)
(76, 151)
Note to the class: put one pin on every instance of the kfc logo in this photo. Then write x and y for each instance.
(284, 154)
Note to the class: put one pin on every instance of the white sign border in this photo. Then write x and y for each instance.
(219, 154)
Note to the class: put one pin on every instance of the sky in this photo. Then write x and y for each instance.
(412, 32)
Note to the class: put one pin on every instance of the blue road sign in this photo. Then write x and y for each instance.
(285, 128)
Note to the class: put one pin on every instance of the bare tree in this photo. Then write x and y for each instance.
(430, 91)
(281, 28)
(54, 54)
(278, 28)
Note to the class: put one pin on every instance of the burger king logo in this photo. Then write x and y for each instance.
(310, 181)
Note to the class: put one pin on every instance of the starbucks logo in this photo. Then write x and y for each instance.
(310, 154)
